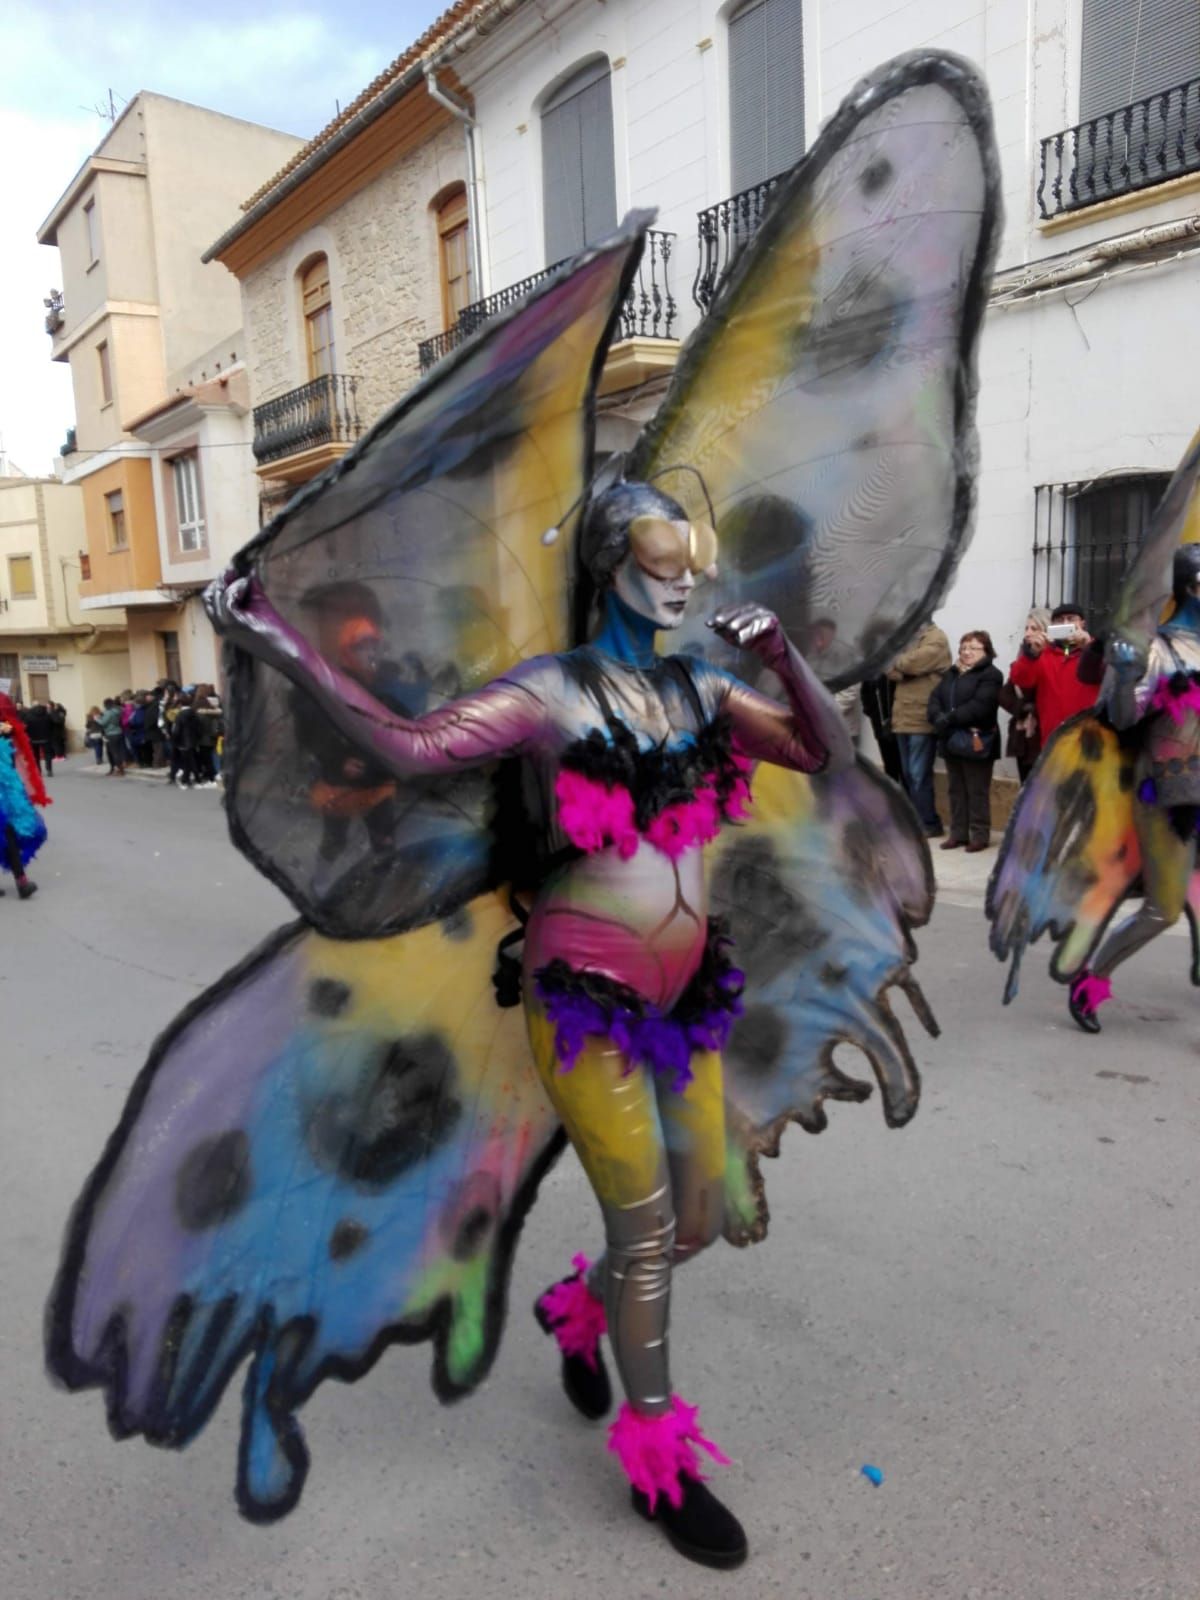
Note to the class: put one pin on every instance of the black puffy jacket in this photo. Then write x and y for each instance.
(966, 700)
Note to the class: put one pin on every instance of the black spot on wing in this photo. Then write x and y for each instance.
(757, 1042)
(1126, 777)
(876, 175)
(772, 927)
(459, 925)
(1091, 745)
(470, 1215)
(347, 1238)
(213, 1181)
(328, 997)
(402, 1109)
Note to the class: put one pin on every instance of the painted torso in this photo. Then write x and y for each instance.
(625, 908)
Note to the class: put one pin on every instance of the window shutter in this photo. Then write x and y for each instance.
(1135, 48)
(766, 90)
(579, 185)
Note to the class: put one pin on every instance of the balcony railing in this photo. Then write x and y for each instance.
(324, 411)
(1132, 148)
(649, 310)
(724, 229)
(56, 308)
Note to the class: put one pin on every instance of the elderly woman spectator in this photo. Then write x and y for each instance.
(962, 711)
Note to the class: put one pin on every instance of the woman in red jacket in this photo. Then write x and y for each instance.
(1061, 675)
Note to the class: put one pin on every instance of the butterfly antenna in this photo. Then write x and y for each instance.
(684, 466)
(606, 470)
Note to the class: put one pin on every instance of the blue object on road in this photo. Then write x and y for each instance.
(873, 1473)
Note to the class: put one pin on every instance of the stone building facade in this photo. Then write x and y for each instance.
(381, 244)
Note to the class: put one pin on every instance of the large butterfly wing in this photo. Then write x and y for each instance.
(418, 564)
(828, 398)
(332, 1150)
(821, 891)
(1146, 587)
(1070, 853)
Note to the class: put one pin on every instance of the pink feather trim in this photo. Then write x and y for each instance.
(1177, 706)
(575, 1315)
(657, 1452)
(1091, 992)
(593, 816)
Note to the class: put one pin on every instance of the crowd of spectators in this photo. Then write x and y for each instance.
(177, 728)
(931, 703)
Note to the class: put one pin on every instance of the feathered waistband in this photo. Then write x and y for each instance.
(585, 1005)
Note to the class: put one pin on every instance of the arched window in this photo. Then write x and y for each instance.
(454, 254)
(317, 301)
(579, 184)
(766, 90)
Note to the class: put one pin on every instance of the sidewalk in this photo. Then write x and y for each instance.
(86, 767)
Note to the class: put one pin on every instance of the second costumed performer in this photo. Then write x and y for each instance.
(332, 1151)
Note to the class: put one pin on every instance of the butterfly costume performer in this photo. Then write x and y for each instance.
(1113, 806)
(575, 889)
(22, 831)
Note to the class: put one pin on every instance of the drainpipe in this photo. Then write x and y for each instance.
(456, 108)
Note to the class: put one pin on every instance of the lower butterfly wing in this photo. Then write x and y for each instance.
(330, 1151)
(1070, 853)
(821, 892)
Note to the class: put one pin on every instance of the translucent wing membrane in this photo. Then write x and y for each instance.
(828, 399)
(418, 565)
(821, 890)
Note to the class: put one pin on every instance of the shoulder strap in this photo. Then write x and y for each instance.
(678, 668)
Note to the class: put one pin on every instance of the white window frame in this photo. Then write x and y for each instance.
(189, 514)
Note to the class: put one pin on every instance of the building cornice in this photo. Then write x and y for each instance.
(48, 232)
(63, 346)
(125, 598)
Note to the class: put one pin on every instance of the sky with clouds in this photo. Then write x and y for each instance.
(287, 66)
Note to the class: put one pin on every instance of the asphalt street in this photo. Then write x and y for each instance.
(998, 1306)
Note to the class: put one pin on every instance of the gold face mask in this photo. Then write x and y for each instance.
(666, 550)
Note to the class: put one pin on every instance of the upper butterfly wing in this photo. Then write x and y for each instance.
(821, 890)
(331, 1150)
(1070, 853)
(827, 399)
(418, 564)
(1146, 587)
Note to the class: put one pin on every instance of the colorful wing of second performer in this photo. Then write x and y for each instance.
(828, 397)
(1070, 853)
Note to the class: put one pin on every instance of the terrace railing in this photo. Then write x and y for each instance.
(1134, 147)
(324, 411)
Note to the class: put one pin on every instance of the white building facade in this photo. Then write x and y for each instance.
(585, 109)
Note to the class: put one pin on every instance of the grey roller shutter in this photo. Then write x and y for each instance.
(766, 90)
(1136, 48)
(579, 186)
(1134, 53)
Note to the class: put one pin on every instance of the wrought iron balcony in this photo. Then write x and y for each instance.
(1135, 147)
(724, 229)
(56, 309)
(324, 411)
(649, 310)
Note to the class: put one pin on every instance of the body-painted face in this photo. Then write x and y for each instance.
(662, 601)
(659, 573)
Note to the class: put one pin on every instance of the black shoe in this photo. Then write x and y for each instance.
(1083, 1014)
(587, 1388)
(935, 831)
(26, 890)
(700, 1528)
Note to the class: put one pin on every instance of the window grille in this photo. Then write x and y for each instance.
(1085, 535)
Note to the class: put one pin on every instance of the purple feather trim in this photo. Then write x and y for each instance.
(1148, 792)
(586, 1005)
